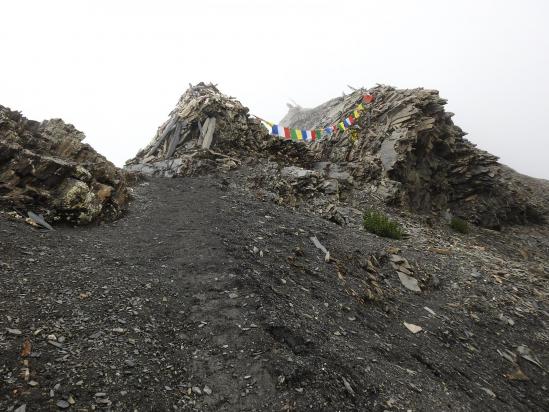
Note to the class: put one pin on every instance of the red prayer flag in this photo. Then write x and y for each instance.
(368, 98)
(287, 134)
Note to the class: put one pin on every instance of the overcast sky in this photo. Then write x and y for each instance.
(115, 69)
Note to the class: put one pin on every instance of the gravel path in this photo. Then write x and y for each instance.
(204, 298)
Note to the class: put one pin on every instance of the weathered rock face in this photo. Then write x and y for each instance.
(45, 168)
(207, 130)
(409, 151)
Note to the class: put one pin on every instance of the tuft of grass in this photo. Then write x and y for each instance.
(459, 225)
(379, 224)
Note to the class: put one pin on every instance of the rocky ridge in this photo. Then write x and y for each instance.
(404, 151)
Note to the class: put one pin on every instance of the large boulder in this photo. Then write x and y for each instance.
(45, 168)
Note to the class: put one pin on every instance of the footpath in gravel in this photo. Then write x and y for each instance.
(205, 298)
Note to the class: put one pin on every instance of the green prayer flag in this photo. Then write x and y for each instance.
(293, 135)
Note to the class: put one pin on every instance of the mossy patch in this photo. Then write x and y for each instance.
(459, 225)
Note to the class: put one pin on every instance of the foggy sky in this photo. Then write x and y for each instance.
(116, 69)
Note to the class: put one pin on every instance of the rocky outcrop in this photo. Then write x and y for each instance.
(404, 149)
(407, 150)
(206, 131)
(45, 167)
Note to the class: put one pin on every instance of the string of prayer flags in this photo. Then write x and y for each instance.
(312, 135)
(296, 134)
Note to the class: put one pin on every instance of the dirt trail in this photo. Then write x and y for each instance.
(204, 298)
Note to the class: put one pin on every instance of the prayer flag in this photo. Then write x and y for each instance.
(287, 133)
(278, 130)
(294, 134)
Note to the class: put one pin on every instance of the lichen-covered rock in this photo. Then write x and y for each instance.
(45, 168)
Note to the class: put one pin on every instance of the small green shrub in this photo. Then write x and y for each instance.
(459, 225)
(379, 224)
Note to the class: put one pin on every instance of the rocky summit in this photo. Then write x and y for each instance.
(391, 266)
